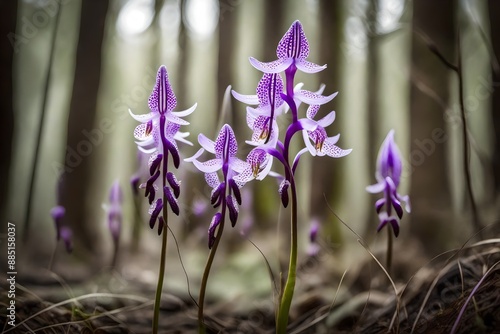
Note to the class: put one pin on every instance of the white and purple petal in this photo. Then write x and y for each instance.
(162, 98)
(276, 66)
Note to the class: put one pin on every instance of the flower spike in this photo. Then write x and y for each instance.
(388, 174)
(293, 49)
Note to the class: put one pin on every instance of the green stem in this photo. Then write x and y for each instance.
(137, 227)
(389, 249)
(206, 273)
(161, 274)
(287, 296)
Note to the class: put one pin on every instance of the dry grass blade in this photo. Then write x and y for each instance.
(476, 287)
(77, 299)
(442, 272)
(365, 246)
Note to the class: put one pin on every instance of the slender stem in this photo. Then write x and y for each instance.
(161, 274)
(389, 249)
(116, 246)
(40, 127)
(164, 221)
(52, 256)
(137, 227)
(465, 143)
(286, 298)
(208, 266)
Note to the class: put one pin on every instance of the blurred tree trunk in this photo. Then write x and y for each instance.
(156, 49)
(427, 165)
(7, 51)
(373, 91)
(494, 12)
(183, 55)
(273, 31)
(325, 174)
(227, 28)
(81, 121)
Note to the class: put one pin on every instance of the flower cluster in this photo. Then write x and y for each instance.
(157, 135)
(225, 193)
(388, 175)
(273, 98)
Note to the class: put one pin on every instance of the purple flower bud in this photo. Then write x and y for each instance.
(57, 214)
(154, 211)
(379, 204)
(388, 174)
(154, 163)
(150, 187)
(236, 190)
(199, 206)
(211, 229)
(217, 193)
(66, 235)
(174, 183)
(313, 232)
(283, 190)
(233, 209)
(161, 223)
(172, 201)
(134, 183)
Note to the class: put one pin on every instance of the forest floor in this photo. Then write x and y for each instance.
(460, 288)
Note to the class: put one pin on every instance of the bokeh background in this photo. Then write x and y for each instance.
(392, 62)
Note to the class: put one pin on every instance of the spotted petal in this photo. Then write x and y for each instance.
(313, 98)
(333, 151)
(143, 118)
(308, 67)
(206, 143)
(162, 99)
(269, 89)
(294, 43)
(247, 99)
(209, 166)
(272, 67)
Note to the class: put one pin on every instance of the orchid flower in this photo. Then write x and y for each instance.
(160, 127)
(259, 164)
(292, 50)
(57, 213)
(225, 148)
(313, 248)
(114, 210)
(388, 175)
(323, 145)
(157, 135)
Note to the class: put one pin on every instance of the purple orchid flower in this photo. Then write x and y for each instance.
(293, 49)
(157, 135)
(114, 210)
(313, 248)
(160, 128)
(259, 164)
(67, 236)
(388, 175)
(225, 193)
(57, 213)
(323, 145)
